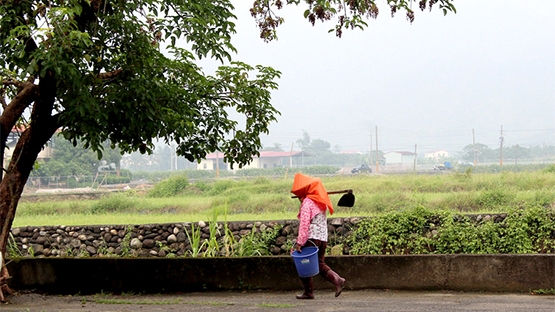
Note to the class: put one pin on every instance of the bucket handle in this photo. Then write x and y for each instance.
(309, 240)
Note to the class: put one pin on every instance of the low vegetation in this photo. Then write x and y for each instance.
(407, 213)
(524, 230)
(178, 199)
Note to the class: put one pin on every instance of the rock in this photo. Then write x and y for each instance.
(336, 222)
(281, 240)
(107, 237)
(91, 250)
(181, 237)
(341, 230)
(150, 236)
(75, 243)
(287, 230)
(37, 249)
(148, 243)
(172, 239)
(136, 244)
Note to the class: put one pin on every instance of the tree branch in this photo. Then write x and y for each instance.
(27, 94)
(107, 76)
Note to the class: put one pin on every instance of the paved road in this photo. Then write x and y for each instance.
(362, 300)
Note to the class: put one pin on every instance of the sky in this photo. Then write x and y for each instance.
(439, 83)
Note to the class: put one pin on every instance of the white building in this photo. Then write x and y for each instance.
(437, 155)
(266, 160)
(399, 158)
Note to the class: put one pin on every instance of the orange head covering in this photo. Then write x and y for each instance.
(305, 186)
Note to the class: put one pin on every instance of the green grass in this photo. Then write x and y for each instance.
(270, 199)
(550, 291)
(277, 305)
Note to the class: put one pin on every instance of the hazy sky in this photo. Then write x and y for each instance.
(430, 83)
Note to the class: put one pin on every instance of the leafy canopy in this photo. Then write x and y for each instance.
(125, 72)
(69, 160)
(349, 14)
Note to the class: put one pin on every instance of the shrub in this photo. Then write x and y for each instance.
(221, 186)
(169, 187)
(420, 230)
(494, 198)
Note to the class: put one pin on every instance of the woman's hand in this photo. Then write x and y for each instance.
(296, 247)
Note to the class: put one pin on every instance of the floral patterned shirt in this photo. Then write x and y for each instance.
(313, 223)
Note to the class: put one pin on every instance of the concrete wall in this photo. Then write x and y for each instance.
(497, 273)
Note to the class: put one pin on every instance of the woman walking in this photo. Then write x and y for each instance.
(313, 229)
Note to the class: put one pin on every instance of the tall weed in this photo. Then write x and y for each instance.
(115, 202)
(169, 187)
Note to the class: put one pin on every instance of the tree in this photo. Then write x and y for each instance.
(96, 70)
(319, 145)
(106, 70)
(304, 143)
(69, 160)
(483, 152)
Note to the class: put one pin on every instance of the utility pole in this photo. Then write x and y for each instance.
(217, 164)
(501, 147)
(371, 161)
(516, 155)
(474, 148)
(414, 165)
(171, 158)
(377, 155)
(543, 152)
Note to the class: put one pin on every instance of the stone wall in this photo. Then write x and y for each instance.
(156, 240)
(172, 239)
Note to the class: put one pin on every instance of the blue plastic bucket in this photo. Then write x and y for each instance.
(306, 261)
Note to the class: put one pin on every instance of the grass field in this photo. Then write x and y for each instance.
(270, 199)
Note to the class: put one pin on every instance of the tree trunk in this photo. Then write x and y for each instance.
(24, 156)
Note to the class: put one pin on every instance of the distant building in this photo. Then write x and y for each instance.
(13, 137)
(436, 155)
(266, 160)
(351, 152)
(399, 158)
